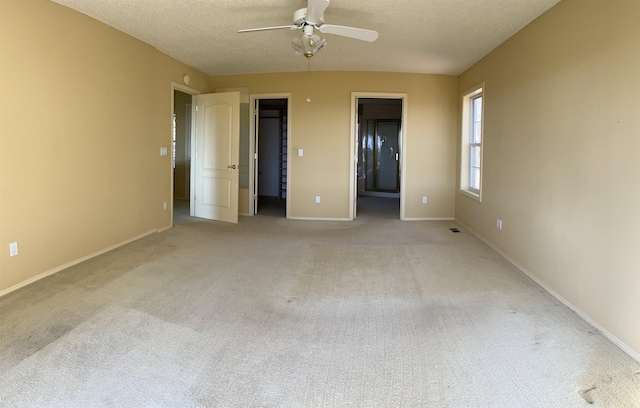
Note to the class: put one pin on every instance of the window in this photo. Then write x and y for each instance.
(475, 143)
(471, 149)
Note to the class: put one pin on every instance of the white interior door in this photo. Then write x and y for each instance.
(217, 141)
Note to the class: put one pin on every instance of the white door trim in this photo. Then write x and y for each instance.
(175, 86)
(252, 148)
(353, 154)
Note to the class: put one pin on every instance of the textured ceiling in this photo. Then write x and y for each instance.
(420, 36)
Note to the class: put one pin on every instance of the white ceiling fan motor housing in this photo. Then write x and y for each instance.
(300, 18)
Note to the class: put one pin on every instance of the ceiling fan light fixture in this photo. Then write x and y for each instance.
(308, 45)
(311, 18)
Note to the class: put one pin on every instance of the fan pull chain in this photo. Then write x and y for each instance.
(309, 66)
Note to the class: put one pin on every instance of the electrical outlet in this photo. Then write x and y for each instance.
(424, 200)
(13, 249)
(499, 224)
(317, 199)
(164, 206)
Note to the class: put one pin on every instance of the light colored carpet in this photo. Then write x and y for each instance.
(282, 313)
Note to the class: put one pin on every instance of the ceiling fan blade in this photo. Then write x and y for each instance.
(249, 30)
(351, 32)
(315, 10)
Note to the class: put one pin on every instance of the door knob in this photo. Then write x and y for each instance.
(233, 166)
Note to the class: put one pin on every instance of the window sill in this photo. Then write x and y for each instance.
(472, 195)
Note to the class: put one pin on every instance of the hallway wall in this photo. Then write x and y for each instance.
(321, 126)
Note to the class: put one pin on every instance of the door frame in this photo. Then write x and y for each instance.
(175, 86)
(353, 172)
(254, 153)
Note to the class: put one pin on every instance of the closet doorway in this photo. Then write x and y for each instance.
(271, 143)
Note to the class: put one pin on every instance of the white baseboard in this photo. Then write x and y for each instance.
(428, 219)
(317, 219)
(347, 219)
(70, 264)
(613, 338)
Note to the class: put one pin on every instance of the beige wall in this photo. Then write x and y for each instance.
(84, 110)
(322, 128)
(562, 157)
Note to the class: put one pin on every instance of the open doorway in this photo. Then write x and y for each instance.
(271, 136)
(181, 152)
(378, 142)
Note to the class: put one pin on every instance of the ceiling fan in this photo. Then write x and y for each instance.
(311, 18)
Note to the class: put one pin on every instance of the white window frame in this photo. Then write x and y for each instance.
(468, 141)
